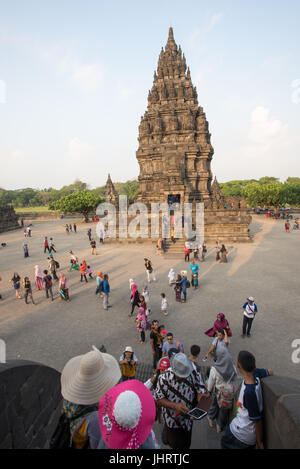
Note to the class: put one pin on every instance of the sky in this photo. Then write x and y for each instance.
(75, 75)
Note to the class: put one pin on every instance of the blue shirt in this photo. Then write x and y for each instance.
(194, 268)
(183, 283)
(106, 287)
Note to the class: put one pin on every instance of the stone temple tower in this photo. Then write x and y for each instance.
(174, 150)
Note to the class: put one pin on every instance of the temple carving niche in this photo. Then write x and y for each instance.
(174, 134)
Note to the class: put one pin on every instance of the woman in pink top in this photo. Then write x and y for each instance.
(63, 287)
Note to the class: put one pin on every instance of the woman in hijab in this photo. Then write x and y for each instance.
(221, 386)
(224, 253)
(220, 323)
(172, 277)
(135, 298)
(63, 287)
(141, 324)
(178, 289)
(99, 279)
(38, 276)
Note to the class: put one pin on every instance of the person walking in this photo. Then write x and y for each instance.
(27, 290)
(99, 280)
(250, 311)
(134, 298)
(149, 270)
(16, 281)
(73, 260)
(63, 287)
(178, 288)
(141, 324)
(219, 343)
(75, 227)
(128, 362)
(93, 246)
(218, 249)
(53, 267)
(90, 271)
(25, 249)
(38, 277)
(46, 245)
(70, 228)
(156, 343)
(67, 229)
(52, 246)
(204, 251)
(83, 270)
(176, 392)
(223, 252)
(194, 274)
(186, 253)
(106, 292)
(89, 234)
(182, 282)
(221, 388)
(47, 282)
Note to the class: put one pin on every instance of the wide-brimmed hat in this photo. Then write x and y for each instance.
(181, 365)
(86, 378)
(128, 349)
(164, 364)
(126, 415)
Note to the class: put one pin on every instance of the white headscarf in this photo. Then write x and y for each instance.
(38, 271)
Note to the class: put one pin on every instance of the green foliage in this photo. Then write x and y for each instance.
(78, 202)
(293, 180)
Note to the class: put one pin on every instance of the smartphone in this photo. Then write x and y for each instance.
(197, 413)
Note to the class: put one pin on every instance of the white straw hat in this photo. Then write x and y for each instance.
(86, 378)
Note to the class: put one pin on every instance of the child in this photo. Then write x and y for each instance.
(82, 269)
(90, 271)
(27, 290)
(164, 304)
(246, 429)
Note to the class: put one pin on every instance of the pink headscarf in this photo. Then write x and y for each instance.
(63, 281)
(133, 289)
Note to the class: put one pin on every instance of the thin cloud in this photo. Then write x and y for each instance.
(2, 92)
(88, 76)
(214, 20)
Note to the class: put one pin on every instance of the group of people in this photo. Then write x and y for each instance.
(108, 408)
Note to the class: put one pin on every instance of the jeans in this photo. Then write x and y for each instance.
(247, 323)
(49, 289)
(229, 441)
(28, 292)
(184, 294)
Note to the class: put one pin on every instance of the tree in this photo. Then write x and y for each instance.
(268, 180)
(82, 202)
(262, 194)
(290, 193)
(292, 180)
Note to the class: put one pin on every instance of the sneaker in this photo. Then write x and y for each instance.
(210, 422)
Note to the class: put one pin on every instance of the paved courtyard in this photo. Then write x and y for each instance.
(53, 332)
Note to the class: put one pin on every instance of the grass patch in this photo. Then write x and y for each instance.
(32, 209)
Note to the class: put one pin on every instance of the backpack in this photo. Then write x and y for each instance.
(188, 284)
(48, 281)
(225, 394)
(61, 438)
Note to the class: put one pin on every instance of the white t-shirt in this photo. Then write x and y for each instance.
(249, 409)
(249, 310)
(164, 304)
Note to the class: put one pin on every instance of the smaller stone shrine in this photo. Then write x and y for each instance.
(110, 193)
(8, 218)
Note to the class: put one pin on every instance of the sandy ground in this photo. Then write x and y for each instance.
(53, 332)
